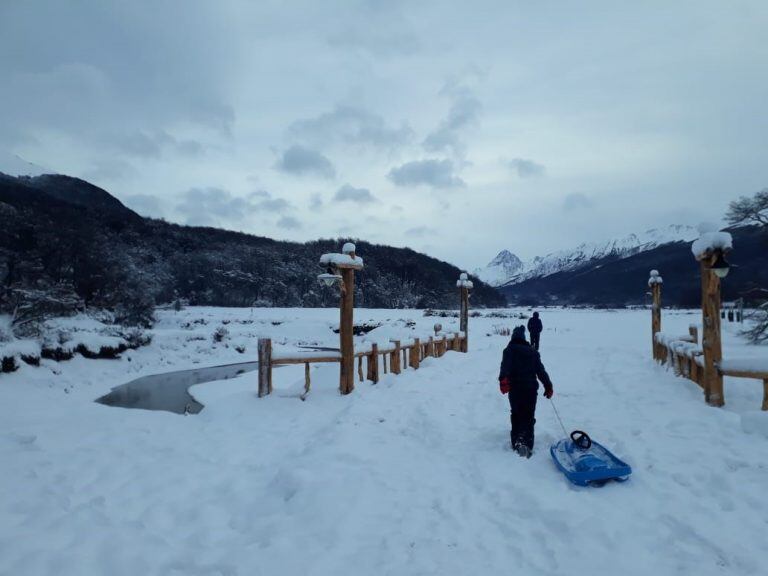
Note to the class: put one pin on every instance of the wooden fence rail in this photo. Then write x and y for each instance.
(686, 356)
(408, 353)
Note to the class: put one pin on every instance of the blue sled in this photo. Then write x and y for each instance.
(593, 465)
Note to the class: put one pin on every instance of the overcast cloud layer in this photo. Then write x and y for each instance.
(457, 130)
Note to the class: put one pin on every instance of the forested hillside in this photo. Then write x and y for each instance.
(66, 244)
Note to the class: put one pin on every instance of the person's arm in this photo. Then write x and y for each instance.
(542, 375)
(504, 373)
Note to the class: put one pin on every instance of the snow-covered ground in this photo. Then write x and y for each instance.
(410, 476)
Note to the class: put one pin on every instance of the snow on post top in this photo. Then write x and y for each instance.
(464, 281)
(655, 278)
(710, 241)
(348, 248)
(342, 261)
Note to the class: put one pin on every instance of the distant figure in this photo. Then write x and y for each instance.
(521, 370)
(535, 327)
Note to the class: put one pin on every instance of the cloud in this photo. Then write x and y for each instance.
(432, 172)
(577, 201)
(144, 204)
(420, 231)
(273, 205)
(526, 168)
(316, 202)
(301, 161)
(289, 223)
(215, 206)
(348, 193)
(391, 36)
(208, 206)
(153, 145)
(462, 114)
(265, 202)
(214, 114)
(110, 169)
(351, 125)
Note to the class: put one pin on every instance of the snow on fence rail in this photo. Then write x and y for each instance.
(400, 354)
(686, 357)
(704, 363)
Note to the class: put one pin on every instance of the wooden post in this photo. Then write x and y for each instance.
(306, 381)
(415, 354)
(464, 285)
(464, 318)
(342, 267)
(369, 370)
(360, 368)
(711, 343)
(395, 359)
(373, 364)
(346, 341)
(655, 282)
(693, 330)
(765, 394)
(265, 366)
(384, 362)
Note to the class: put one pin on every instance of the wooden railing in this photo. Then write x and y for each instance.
(686, 357)
(393, 358)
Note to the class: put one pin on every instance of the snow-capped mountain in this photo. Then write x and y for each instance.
(511, 270)
(505, 266)
(15, 165)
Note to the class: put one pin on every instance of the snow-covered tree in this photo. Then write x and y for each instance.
(749, 210)
(753, 210)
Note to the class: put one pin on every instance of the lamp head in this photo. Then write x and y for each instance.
(328, 279)
(720, 266)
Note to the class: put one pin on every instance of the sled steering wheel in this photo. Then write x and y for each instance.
(581, 439)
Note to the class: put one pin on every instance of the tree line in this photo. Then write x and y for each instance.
(68, 246)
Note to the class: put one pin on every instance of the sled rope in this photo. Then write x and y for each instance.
(558, 416)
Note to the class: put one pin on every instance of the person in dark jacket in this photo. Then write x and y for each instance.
(535, 327)
(521, 370)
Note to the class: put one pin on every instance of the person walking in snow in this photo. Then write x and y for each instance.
(521, 370)
(535, 327)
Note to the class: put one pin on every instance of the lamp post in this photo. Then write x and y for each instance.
(710, 251)
(464, 284)
(654, 282)
(340, 271)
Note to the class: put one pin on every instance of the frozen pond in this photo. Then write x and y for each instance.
(170, 391)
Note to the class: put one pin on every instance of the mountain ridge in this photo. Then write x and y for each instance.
(614, 281)
(583, 254)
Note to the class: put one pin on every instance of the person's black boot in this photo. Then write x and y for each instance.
(523, 451)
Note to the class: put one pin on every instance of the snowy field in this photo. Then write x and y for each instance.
(408, 477)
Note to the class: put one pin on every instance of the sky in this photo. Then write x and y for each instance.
(455, 128)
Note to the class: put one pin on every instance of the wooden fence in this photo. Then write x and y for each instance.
(686, 357)
(393, 358)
